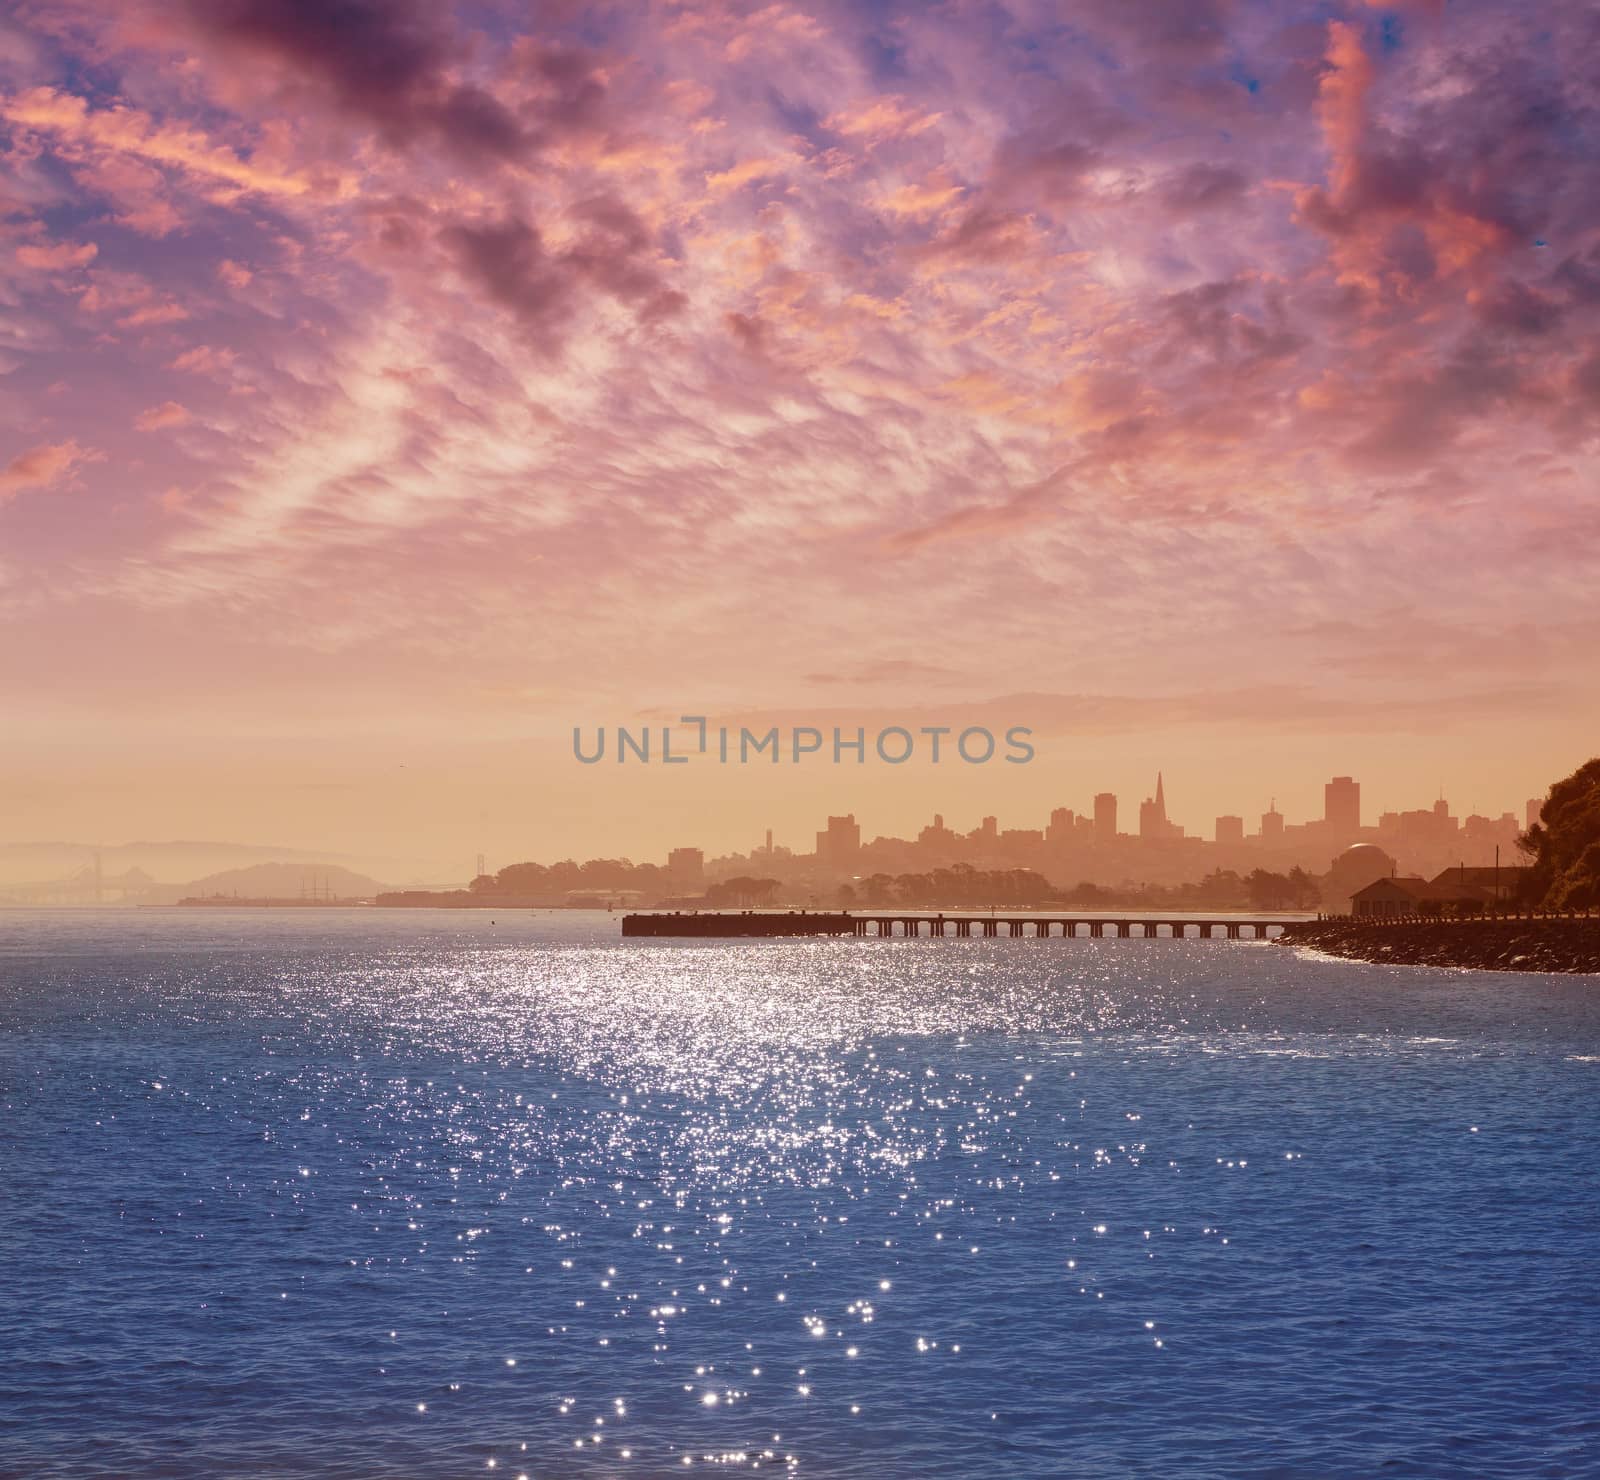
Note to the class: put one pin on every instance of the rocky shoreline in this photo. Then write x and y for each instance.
(1553, 944)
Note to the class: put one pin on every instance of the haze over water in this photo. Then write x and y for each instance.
(415, 1194)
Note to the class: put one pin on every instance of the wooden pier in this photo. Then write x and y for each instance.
(730, 925)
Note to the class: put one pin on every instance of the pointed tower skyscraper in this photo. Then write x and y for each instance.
(1153, 813)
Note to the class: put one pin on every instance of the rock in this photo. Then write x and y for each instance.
(1559, 944)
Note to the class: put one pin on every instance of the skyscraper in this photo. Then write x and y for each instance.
(1341, 806)
(1153, 814)
(686, 867)
(1105, 816)
(839, 846)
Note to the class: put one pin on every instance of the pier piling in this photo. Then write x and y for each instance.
(730, 925)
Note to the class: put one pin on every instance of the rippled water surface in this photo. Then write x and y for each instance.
(418, 1195)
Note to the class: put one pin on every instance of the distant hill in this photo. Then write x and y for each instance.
(171, 861)
(273, 881)
(175, 861)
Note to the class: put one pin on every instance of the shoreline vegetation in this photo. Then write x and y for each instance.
(610, 882)
(1564, 943)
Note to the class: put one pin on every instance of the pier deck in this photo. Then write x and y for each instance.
(717, 924)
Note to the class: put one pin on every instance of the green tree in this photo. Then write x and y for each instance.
(1269, 891)
(1565, 844)
(879, 890)
(743, 892)
(1087, 895)
(1305, 890)
(1219, 889)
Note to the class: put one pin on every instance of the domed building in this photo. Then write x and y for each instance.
(1355, 868)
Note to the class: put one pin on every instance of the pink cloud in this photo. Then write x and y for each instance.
(132, 297)
(57, 257)
(153, 315)
(139, 192)
(919, 200)
(122, 129)
(157, 418)
(1380, 188)
(43, 466)
(203, 359)
(1342, 105)
(882, 118)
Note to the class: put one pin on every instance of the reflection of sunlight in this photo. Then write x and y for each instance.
(785, 1203)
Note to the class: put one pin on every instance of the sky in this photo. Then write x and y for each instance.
(388, 388)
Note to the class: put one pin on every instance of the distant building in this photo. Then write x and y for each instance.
(1483, 834)
(1359, 865)
(840, 845)
(1455, 886)
(1341, 806)
(937, 836)
(1496, 884)
(1105, 816)
(1153, 822)
(1420, 830)
(686, 867)
(1061, 825)
(1272, 824)
(1230, 830)
(1408, 896)
(1535, 810)
(601, 899)
(1390, 896)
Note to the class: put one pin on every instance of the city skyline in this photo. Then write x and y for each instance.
(1424, 833)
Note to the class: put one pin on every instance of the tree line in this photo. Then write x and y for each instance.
(960, 886)
(963, 885)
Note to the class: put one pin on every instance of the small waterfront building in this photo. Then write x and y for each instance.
(1498, 885)
(601, 899)
(1386, 898)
